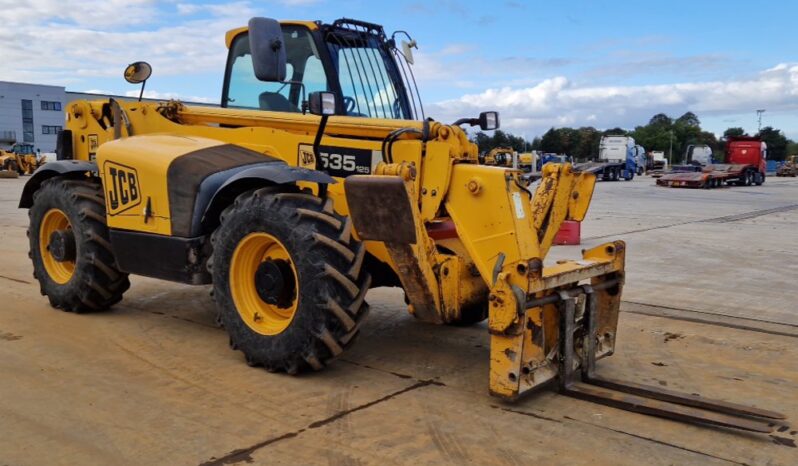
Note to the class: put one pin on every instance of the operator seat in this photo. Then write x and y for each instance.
(276, 102)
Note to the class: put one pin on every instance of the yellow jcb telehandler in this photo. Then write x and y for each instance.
(318, 178)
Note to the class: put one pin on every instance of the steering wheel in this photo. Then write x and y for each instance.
(349, 104)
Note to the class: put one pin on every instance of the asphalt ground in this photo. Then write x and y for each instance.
(709, 307)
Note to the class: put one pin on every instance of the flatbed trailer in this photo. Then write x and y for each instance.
(713, 176)
(607, 171)
(747, 166)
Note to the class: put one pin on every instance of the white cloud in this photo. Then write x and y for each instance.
(462, 65)
(69, 42)
(187, 8)
(170, 96)
(299, 2)
(89, 13)
(558, 101)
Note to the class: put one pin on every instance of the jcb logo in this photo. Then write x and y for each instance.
(121, 188)
(305, 157)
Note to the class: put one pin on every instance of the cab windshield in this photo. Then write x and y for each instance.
(368, 76)
(23, 149)
(359, 67)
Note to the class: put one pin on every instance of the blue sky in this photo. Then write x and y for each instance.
(541, 64)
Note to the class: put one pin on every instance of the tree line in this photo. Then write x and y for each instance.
(662, 133)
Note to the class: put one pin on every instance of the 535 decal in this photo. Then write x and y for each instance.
(340, 161)
(344, 162)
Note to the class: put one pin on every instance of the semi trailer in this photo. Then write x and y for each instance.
(745, 166)
(618, 158)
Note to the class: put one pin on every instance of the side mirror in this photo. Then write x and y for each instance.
(268, 49)
(321, 103)
(489, 121)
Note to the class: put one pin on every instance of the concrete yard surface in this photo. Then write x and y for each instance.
(709, 307)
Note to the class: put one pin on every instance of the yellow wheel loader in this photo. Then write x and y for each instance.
(318, 178)
(20, 160)
(8, 165)
(499, 157)
(789, 167)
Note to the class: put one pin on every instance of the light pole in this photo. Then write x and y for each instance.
(759, 117)
(670, 151)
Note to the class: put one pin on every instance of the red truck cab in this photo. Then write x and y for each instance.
(748, 156)
(746, 150)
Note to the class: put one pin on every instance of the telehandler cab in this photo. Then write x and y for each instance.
(316, 179)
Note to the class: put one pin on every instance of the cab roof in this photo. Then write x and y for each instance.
(233, 33)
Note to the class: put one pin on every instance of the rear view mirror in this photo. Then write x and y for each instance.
(138, 72)
(268, 49)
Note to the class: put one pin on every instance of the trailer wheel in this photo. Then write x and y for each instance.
(288, 279)
(70, 247)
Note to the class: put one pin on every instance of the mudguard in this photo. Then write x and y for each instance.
(51, 169)
(217, 192)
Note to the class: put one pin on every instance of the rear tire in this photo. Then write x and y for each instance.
(326, 307)
(92, 281)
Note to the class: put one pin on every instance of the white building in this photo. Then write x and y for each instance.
(34, 113)
(31, 113)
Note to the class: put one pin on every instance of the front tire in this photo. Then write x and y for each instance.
(70, 247)
(288, 279)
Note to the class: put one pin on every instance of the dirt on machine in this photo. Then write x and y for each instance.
(320, 177)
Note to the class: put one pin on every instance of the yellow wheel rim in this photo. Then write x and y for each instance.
(59, 271)
(254, 253)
